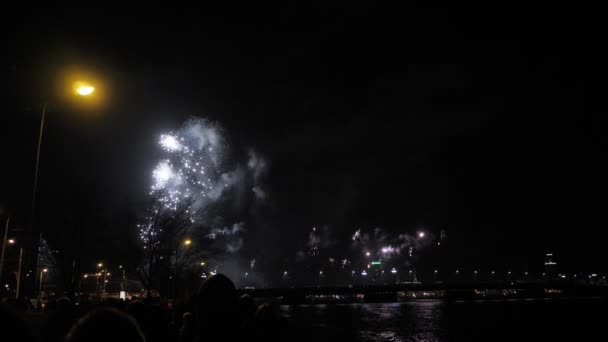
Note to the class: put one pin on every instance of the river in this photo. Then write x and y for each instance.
(440, 320)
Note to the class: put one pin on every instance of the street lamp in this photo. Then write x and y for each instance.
(11, 242)
(81, 88)
(187, 242)
(42, 272)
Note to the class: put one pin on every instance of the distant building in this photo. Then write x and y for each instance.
(551, 269)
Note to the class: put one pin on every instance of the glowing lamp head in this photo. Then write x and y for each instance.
(100, 265)
(421, 235)
(83, 89)
(85, 276)
(187, 242)
(45, 270)
(11, 241)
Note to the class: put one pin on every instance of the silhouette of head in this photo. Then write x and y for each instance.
(217, 307)
(247, 307)
(106, 325)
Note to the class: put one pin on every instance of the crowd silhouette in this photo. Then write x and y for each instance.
(216, 313)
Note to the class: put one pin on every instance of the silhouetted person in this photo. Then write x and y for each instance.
(268, 324)
(217, 310)
(12, 327)
(106, 325)
(180, 308)
(187, 332)
(247, 308)
(137, 310)
(60, 318)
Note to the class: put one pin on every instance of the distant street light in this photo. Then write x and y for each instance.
(11, 241)
(187, 242)
(421, 235)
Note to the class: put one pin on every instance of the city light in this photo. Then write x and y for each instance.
(11, 241)
(187, 242)
(364, 273)
(421, 235)
(202, 263)
(85, 276)
(367, 254)
(45, 270)
(100, 265)
(393, 271)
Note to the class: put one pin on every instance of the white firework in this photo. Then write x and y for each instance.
(192, 171)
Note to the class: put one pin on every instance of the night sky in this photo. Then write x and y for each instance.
(490, 126)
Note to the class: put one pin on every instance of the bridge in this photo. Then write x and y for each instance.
(395, 292)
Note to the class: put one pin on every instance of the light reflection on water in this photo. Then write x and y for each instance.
(408, 321)
(438, 320)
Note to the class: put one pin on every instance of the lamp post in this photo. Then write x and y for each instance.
(99, 289)
(81, 89)
(172, 283)
(19, 273)
(42, 272)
